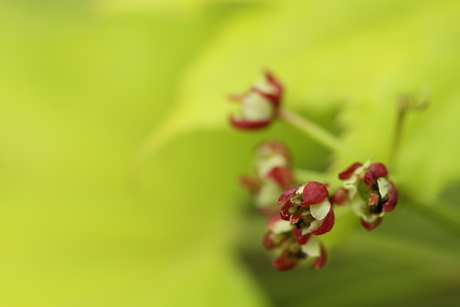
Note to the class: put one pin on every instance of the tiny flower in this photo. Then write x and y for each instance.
(259, 106)
(369, 191)
(293, 247)
(273, 175)
(308, 208)
(270, 157)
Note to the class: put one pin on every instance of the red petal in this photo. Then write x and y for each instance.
(295, 217)
(281, 175)
(287, 194)
(349, 171)
(285, 262)
(247, 124)
(273, 98)
(392, 200)
(284, 213)
(375, 171)
(268, 243)
(326, 224)
(321, 260)
(274, 82)
(314, 193)
(300, 239)
(370, 226)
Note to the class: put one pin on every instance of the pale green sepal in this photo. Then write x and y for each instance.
(320, 211)
(281, 226)
(313, 226)
(312, 248)
(268, 194)
(384, 186)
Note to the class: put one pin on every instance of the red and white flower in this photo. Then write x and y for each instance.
(370, 192)
(307, 206)
(259, 106)
(273, 175)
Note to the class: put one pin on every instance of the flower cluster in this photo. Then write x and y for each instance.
(369, 191)
(305, 213)
(305, 210)
(259, 106)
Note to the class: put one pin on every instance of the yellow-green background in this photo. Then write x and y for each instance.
(83, 84)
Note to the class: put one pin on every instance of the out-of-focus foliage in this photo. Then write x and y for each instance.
(83, 83)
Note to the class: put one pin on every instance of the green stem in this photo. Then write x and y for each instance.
(319, 134)
(406, 104)
(397, 134)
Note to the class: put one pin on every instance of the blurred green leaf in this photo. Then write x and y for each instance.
(77, 95)
(181, 7)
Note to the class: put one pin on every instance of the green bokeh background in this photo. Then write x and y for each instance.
(83, 84)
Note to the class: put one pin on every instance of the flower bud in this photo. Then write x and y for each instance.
(259, 106)
(273, 174)
(307, 206)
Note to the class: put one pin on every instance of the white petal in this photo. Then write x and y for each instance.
(281, 226)
(384, 186)
(256, 107)
(312, 248)
(266, 87)
(350, 186)
(362, 210)
(371, 218)
(320, 211)
(266, 164)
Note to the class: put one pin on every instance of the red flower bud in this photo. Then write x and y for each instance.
(272, 175)
(307, 206)
(370, 192)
